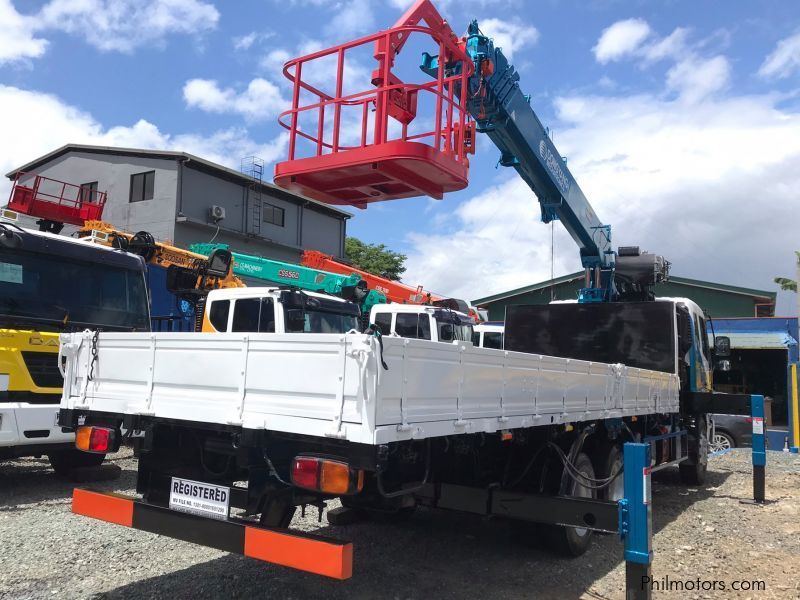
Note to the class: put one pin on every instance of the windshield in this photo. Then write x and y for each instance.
(68, 294)
(454, 331)
(319, 321)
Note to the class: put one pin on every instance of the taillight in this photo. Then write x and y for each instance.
(95, 439)
(326, 475)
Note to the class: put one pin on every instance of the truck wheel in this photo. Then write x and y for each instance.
(573, 541)
(615, 491)
(65, 461)
(693, 470)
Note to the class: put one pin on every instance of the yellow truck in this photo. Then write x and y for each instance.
(51, 284)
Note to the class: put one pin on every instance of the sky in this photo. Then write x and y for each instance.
(679, 119)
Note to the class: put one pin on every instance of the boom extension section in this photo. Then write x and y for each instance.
(189, 275)
(351, 287)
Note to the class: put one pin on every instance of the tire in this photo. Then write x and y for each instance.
(693, 470)
(573, 541)
(722, 440)
(65, 461)
(612, 463)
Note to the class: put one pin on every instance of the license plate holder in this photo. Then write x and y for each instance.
(199, 498)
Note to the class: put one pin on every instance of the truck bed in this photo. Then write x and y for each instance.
(331, 385)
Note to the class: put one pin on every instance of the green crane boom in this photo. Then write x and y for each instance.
(351, 287)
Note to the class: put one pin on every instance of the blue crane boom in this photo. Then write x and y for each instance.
(503, 112)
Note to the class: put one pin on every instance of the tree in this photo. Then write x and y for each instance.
(374, 258)
(788, 285)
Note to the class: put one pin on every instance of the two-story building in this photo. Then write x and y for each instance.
(180, 197)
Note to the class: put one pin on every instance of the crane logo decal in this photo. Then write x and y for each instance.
(552, 165)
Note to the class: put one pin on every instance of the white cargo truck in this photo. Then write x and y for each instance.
(235, 430)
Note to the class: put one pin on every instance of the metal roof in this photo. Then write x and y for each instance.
(185, 157)
(720, 287)
(766, 340)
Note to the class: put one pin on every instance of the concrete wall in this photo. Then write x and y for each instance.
(303, 226)
(323, 232)
(113, 174)
(192, 233)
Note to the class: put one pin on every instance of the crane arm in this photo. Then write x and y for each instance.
(189, 274)
(348, 286)
(503, 112)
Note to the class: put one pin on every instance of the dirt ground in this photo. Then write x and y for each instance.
(703, 538)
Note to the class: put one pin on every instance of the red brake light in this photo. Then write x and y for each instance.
(94, 439)
(305, 472)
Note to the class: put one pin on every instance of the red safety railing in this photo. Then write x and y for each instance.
(55, 200)
(387, 139)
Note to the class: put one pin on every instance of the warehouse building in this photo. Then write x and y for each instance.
(183, 198)
(717, 299)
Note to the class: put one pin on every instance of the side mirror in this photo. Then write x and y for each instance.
(295, 320)
(722, 348)
(723, 365)
(219, 263)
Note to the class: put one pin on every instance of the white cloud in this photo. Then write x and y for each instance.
(39, 123)
(17, 35)
(509, 35)
(678, 180)
(621, 39)
(352, 17)
(694, 79)
(261, 100)
(673, 46)
(243, 42)
(784, 60)
(117, 25)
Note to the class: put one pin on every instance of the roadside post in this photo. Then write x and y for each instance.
(637, 522)
(759, 447)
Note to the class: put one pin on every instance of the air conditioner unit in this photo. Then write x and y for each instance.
(216, 213)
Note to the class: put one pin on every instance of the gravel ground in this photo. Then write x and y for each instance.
(46, 552)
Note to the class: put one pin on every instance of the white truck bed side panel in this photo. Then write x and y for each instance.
(333, 385)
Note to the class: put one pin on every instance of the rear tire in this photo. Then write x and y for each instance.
(615, 491)
(64, 461)
(693, 470)
(573, 541)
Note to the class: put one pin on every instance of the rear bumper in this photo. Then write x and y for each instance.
(298, 550)
(24, 424)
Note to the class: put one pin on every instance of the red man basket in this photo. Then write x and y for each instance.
(55, 200)
(358, 136)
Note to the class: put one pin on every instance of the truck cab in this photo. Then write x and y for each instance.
(422, 322)
(278, 310)
(488, 335)
(51, 284)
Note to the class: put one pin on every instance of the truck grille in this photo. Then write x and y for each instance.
(43, 367)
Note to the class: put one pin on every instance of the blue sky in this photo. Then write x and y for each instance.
(680, 119)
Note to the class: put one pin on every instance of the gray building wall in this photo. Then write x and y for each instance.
(113, 175)
(191, 233)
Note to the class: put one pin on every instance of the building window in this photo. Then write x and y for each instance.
(88, 193)
(272, 214)
(142, 186)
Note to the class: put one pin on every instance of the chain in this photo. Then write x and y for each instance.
(96, 334)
